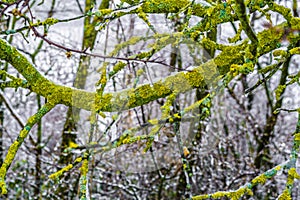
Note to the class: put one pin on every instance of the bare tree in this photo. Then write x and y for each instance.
(149, 99)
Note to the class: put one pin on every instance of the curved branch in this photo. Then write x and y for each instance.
(241, 13)
(181, 82)
(12, 151)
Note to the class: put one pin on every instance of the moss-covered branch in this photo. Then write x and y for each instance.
(12, 151)
(242, 15)
(143, 94)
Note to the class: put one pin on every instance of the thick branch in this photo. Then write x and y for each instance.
(130, 98)
(242, 15)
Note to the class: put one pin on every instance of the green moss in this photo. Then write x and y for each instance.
(270, 173)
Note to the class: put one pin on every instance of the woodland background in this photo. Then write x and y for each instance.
(188, 98)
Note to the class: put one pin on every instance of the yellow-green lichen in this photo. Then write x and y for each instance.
(139, 72)
(48, 21)
(166, 108)
(6, 163)
(295, 50)
(293, 173)
(161, 89)
(286, 12)
(84, 167)
(132, 41)
(163, 6)
(9, 1)
(103, 12)
(234, 69)
(16, 12)
(146, 54)
(237, 37)
(270, 38)
(104, 103)
(285, 195)
(261, 179)
(131, 1)
(279, 91)
(219, 194)
(237, 194)
(143, 16)
(3, 186)
(78, 160)
(83, 180)
(148, 144)
(196, 105)
(279, 52)
(267, 69)
(233, 195)
(153, 121)
(57, 174)
(295, 23)
(176, 115)
(119, 66)
(277, 168)
(155, 130)
(116, 68)
(228, 56)
(246, 68)
(201, 197)
(23, 133)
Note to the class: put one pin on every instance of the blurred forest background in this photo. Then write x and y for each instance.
(217, 136)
